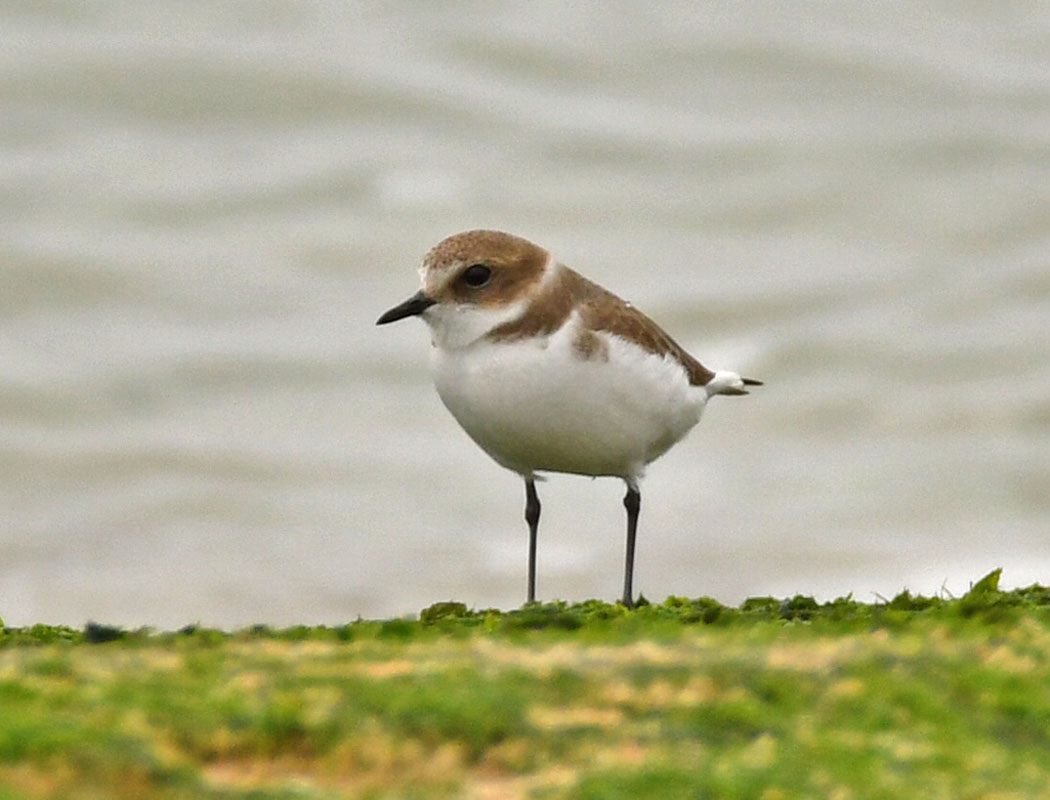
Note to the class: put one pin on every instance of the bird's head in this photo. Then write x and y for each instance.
(473, 282)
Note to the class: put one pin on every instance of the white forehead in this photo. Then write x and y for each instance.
(434, 278)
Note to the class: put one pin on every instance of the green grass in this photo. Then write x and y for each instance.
(775, 699)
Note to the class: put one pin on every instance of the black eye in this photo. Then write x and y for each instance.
(477, 275)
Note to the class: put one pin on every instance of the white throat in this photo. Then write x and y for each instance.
(454, 327)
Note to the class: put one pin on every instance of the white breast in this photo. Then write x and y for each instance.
(534, 405)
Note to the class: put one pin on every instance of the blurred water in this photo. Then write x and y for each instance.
(204, 208)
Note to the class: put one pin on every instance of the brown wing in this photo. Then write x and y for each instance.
(601, 310)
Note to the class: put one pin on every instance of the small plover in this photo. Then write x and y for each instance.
(549, 372)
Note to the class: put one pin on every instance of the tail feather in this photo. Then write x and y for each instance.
(729, 383)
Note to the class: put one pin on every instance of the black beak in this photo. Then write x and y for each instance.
(412, 307)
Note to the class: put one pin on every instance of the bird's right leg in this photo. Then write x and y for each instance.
(532, 516)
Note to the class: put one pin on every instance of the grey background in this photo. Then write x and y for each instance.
(204, 207)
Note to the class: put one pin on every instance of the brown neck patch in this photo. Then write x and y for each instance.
(545, 313)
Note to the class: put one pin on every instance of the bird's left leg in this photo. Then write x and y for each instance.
(632, 501)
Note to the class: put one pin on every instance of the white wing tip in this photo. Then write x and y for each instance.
(725, 382)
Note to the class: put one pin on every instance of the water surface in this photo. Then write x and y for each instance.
(204, 208)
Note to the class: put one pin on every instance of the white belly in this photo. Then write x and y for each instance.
(536, 406)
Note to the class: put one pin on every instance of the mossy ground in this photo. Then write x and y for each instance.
(914, 697)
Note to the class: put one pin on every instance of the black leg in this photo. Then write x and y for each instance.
(632, 501)
(532, 516)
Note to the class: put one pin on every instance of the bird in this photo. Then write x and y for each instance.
(548, 372)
